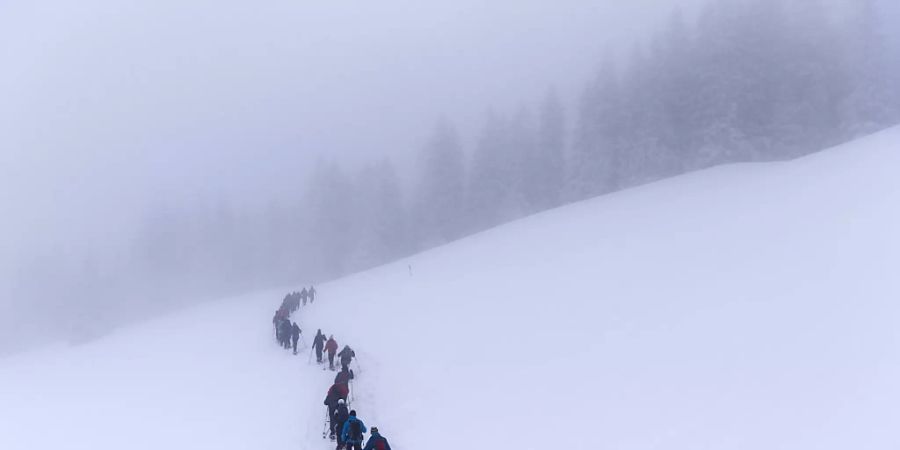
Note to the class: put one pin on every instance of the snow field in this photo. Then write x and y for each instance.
(742, 307)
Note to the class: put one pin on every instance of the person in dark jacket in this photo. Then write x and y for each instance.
(338, 418)
(347, 354)
(287, 303)
(331, 347)
(377, 441)
(303, 296)
(275, 321)
(344, 376)
(335, 392)
(312, 294)
(286, 333)
(318, 343)
(295, 335)
(352, 433)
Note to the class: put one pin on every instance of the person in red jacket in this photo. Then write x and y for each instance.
(336, 392)
(344, 376)
(331, 347)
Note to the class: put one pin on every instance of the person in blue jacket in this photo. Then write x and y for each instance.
(377, 441)
(352, 434)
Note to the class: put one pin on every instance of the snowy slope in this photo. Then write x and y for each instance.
(743, 307)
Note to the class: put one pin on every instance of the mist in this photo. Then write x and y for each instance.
(159, 99)
(158, 154)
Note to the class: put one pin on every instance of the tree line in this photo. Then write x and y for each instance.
(743, 81)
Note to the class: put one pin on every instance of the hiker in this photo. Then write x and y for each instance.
(338, 418)
(331, 347)
(279, 331)
(335, 393)
(286, 333)
(312, 294)
(347, 355)
(295, 335)
(353, 431)
(344, 376)
(377, 441)
(318, 343)
(275, 326)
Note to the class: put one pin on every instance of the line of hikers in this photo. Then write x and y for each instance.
(292, 301)
(343, 424)
(330, 347)
(288, 333)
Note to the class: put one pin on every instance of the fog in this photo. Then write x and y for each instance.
(133, 133)
(110, 105)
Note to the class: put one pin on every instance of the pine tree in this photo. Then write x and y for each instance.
(597, 152)
(649, 134)
(546, 167)
(872, 103)
(439, 206)
(332, 231)
(487, 188)
(380, 218)
(519, 155)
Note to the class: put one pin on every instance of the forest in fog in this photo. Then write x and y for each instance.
(739, 81)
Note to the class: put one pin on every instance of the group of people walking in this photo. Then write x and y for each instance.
(352, 431)
(329, 347)
(344, 426)
(288, 333)
(292, 301)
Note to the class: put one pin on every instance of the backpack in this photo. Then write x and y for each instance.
(379, 444)
(341, 414)
(355, 433)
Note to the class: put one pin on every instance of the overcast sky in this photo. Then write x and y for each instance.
(110, 106)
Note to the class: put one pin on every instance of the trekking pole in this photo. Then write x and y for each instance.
(309, 361)
(325, 427)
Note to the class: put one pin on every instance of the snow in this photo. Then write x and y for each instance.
(742, 307)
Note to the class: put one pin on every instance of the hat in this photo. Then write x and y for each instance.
(353, 413)
(374, 429)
